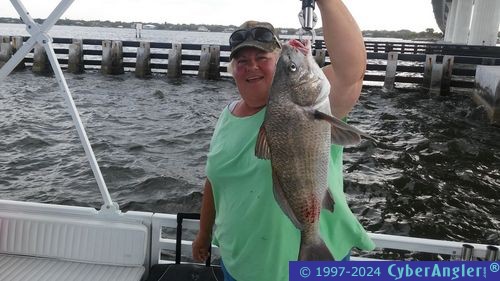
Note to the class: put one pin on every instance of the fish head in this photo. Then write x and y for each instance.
(300, 75)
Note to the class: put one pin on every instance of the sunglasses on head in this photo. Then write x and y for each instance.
(260, 34)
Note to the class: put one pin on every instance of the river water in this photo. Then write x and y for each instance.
(435, 172)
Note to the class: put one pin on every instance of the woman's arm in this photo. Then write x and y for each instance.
(345, 45)
(207, 219)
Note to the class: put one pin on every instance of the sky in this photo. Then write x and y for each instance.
(415, 15)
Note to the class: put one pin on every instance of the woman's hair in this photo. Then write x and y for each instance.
(230, 66)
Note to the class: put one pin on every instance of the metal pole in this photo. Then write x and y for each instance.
(34, 29)
(17, 57)
(78, 124)
(38, 34)
(467, 252)
(491, 253)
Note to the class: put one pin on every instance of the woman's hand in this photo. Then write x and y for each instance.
(200, 247)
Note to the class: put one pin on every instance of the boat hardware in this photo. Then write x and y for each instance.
(308, 20)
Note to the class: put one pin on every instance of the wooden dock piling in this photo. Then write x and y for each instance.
(390, 71)
(209, 62)
(112, 57)
(41, 63)
(175, 61)
(143, 61)
(75, 57)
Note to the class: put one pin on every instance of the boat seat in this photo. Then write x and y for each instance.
(17, 268)
(54, 247)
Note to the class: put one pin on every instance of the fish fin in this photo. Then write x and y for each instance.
(344, 138)
(314, 251)
(279, 195)
(342, 133)
(261, 147)
(328, 201)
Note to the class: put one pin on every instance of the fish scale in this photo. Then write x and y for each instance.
(296, 136)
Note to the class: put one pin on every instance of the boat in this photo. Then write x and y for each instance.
(41, 241)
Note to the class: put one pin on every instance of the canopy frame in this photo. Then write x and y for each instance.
(39, 34)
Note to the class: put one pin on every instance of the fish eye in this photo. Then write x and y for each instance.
(292, 67)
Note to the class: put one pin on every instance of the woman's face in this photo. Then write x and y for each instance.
(253, 71)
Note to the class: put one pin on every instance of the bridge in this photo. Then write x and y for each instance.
(471, 22)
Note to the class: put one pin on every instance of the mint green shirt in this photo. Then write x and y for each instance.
(256, 239)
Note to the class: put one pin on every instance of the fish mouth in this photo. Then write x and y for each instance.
(302, 45)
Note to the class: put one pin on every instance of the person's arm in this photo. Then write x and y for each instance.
(207, 219)
(345, 45)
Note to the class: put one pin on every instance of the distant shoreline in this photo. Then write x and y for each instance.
(428, 35)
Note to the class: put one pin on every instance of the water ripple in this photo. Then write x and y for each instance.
(434, 171)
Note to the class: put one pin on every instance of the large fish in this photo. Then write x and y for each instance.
(296, 136)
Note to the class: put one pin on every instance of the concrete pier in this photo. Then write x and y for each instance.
(484, 27)
(175, 61)
(390, 71)
(436, 75)
(402, 65)
(112, 57)
(460, 29)
(5, 53)
(446, 76)
(462, 21)
(17, 43)
(430, 60)
(487, 91)
(8, 49)
(143, 61)
(75, 57)
(450, 22)
(209, 62)
(41, 63)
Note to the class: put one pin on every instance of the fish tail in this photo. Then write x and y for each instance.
(315, 250)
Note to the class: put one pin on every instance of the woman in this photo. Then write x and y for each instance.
(255, 238)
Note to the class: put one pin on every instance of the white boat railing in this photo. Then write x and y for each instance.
(159, 224)
(382, 241)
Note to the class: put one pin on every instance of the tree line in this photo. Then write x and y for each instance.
(428, 34)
